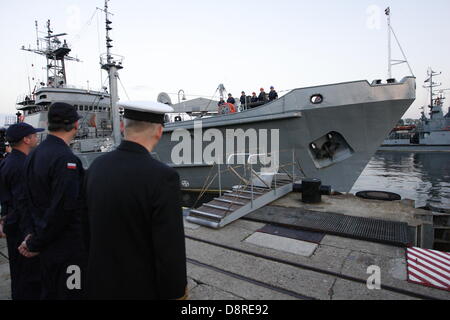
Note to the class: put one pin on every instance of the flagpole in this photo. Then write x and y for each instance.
(388, 13)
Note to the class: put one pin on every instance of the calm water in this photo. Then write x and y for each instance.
(424, 177)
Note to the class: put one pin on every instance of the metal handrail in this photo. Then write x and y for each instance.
(249, 162)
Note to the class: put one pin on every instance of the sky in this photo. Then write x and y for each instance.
(247, 44)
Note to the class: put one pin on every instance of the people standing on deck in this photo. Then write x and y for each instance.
(262, 96)
(137, 246)
(231, 99)
(254, 98)
(221, 102)
(54, 176)
(243, 99)
(15, 217)
(273, 95)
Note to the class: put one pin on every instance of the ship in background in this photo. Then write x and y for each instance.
(328, 132)
(93, 105)
(428, 134)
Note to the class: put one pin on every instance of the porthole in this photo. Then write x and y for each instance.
(316, 99)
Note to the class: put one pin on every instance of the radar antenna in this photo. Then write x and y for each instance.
(56, 53)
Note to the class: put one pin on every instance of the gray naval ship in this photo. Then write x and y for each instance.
(429, 134)
(328, 132)
(94, 106)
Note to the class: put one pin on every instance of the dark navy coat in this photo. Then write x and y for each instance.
(231, 100)
(54, 178)
(137, 246)
(25, 272)
(273, 95)
(12, 187)
(262, 97)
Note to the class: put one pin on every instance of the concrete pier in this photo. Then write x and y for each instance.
(240, 263)
(343, 256)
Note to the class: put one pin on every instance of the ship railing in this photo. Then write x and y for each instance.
(114, 59)
(247, 176)
(70, 86)
(86, 88)
(273, 171)
(99, 133)
(25, 100)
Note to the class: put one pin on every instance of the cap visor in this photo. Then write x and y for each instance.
(36, 130)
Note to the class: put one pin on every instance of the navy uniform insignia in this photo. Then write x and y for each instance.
(72, 166)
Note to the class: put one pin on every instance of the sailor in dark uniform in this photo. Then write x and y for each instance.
(245, 100)
(254, 98)
(137, 246)
(221, 102)
(273, 95)
(25, 272)
(54, 177)
(262, 96)
(231, 99)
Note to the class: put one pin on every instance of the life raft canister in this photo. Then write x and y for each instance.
(232, 108)
(227, 108)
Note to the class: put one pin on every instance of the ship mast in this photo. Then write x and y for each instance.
(393, 62)
(112, 64)
(56, 53)
(432, 85)
(388, 14)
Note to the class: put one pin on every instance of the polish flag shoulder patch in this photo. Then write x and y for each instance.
(72, 166)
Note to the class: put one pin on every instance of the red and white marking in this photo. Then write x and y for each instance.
(429, 268)
(72, 166)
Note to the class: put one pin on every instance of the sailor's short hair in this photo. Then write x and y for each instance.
(139, 126)
(58, 127)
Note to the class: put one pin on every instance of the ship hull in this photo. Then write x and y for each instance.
(358, 115)
(415, 148)
(296, 133)
(435, 141)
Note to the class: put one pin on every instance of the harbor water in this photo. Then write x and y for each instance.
(423, 177)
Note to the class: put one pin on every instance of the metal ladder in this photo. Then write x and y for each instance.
(260, 190)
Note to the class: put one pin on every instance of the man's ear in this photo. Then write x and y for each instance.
(77, 125)
(160, 131)
(26, 140)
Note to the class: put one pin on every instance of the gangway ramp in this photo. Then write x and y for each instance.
(237, 203)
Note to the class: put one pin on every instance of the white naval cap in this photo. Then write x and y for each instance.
(148, 111)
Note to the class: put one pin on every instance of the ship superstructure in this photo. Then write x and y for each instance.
(94, 106)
